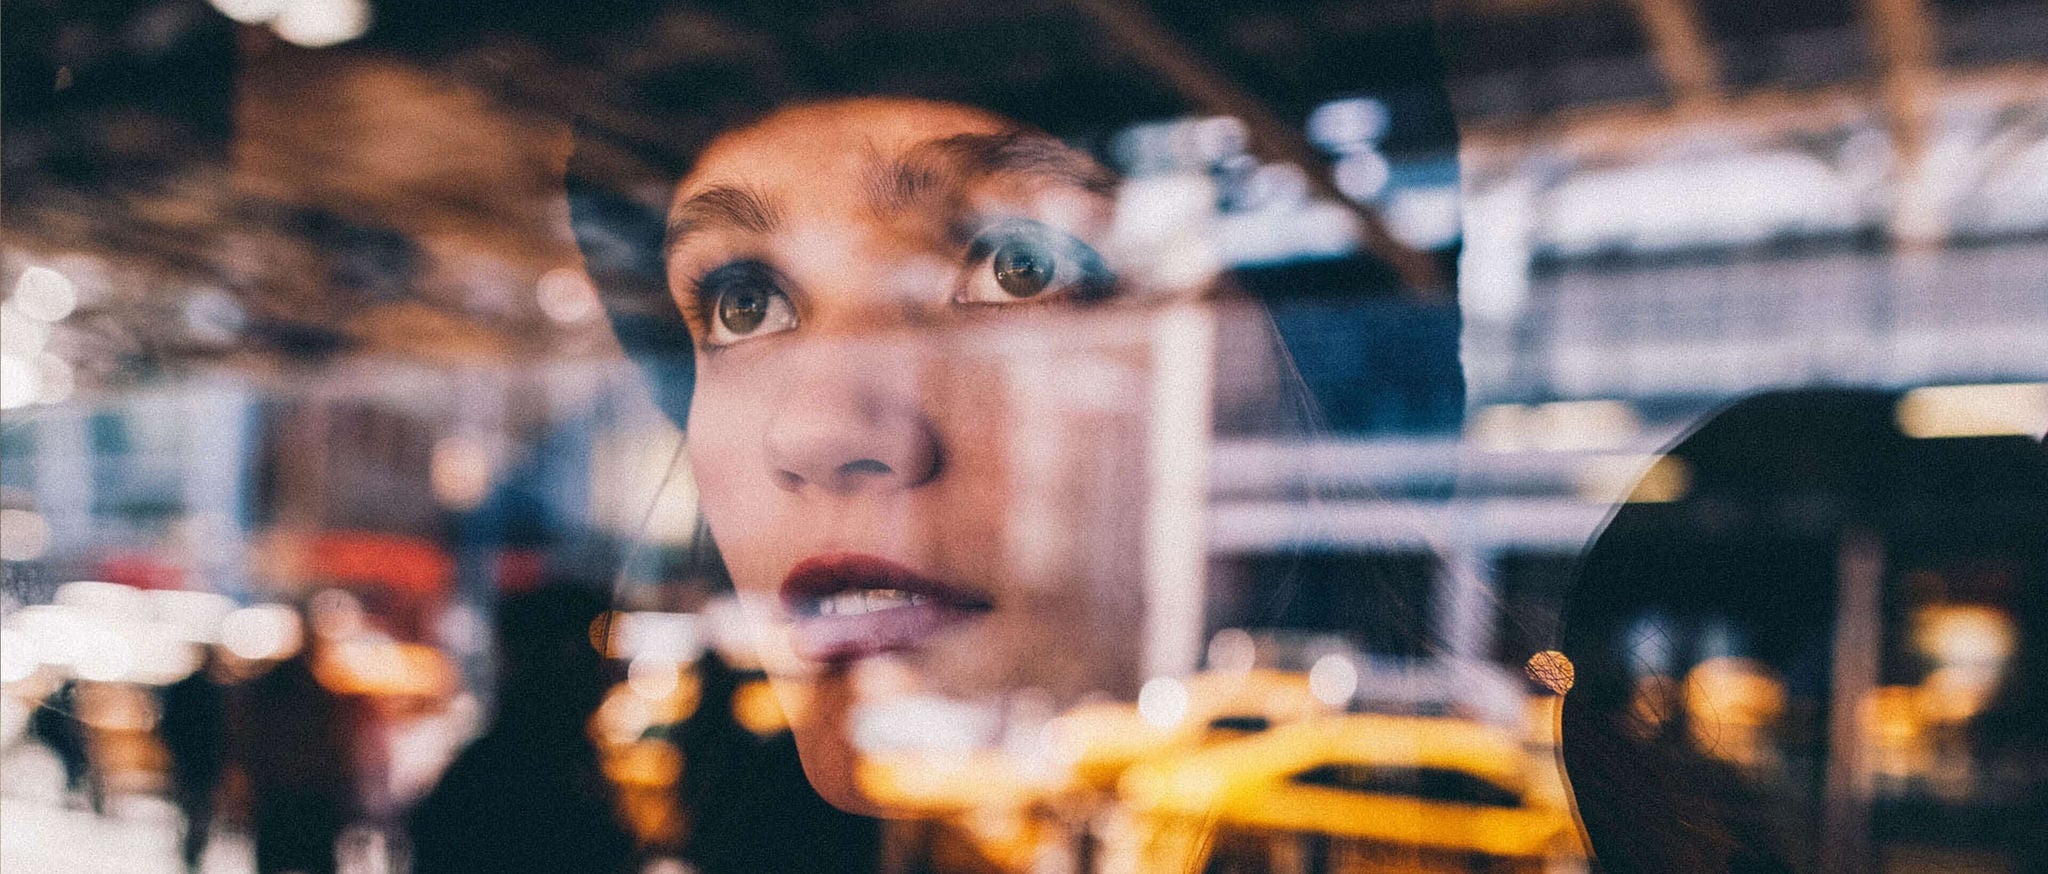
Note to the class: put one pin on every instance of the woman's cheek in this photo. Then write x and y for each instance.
(734, 491)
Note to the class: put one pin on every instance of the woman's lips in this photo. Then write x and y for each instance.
(849, 606)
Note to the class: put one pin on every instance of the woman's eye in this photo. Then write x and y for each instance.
(1030, 261)
(746, 301)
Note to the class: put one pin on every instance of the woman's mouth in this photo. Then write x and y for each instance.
(848, 606)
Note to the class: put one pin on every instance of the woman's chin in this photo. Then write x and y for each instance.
(881, 706)
(829, 763)
(829, 759)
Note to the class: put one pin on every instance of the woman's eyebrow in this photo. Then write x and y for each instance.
(736, 206)
(938, 170)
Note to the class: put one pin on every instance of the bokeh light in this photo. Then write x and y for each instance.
(461, 471)
(21, 381)
(1333, 679)
(567, 296)
(322, 23)
(45, 294)
(1163, 702)
(18, 657)
(2013, 409)
(263, 632)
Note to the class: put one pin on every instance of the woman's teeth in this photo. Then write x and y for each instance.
(863, 601)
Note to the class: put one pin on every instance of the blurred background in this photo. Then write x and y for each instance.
(304, 380)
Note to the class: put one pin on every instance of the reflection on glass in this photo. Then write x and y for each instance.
(1135, 436)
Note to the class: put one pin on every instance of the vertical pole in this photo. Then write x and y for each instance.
(1176, 542)
(1845, 821)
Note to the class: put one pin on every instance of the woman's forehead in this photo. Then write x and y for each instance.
(836, 138)
(866, 160)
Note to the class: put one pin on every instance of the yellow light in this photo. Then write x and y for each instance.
(1954, 694)
(649, 763)
(1732, 703)
(2012, 409)
(1667, 480)
(373, 664)
(1733, 691)
(460, 471)
(754, 707)
(1636, 479)
(1964, 634)
(623, 717)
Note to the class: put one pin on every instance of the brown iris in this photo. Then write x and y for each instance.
(742, 310)
(1023, 269)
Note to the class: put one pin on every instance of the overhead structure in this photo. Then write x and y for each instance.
(1131, 27)
(1679, 38)
(1902, 40)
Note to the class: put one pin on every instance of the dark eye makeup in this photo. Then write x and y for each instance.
(1021, 260)
(742, 299)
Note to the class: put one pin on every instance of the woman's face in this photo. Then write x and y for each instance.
(919, 425)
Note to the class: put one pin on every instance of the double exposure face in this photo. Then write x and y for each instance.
(920, 422)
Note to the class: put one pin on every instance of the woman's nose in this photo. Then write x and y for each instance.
(858, 427)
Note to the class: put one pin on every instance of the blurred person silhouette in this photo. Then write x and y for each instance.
(194, 729)
(302, 747)
(530, 794)
(1796, 500)
(58, 725)
(750, 808)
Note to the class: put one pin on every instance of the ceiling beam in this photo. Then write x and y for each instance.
(1903, 44)
(1678, 36)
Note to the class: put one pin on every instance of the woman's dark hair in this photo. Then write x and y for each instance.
(1783, 487)
(621, 240)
